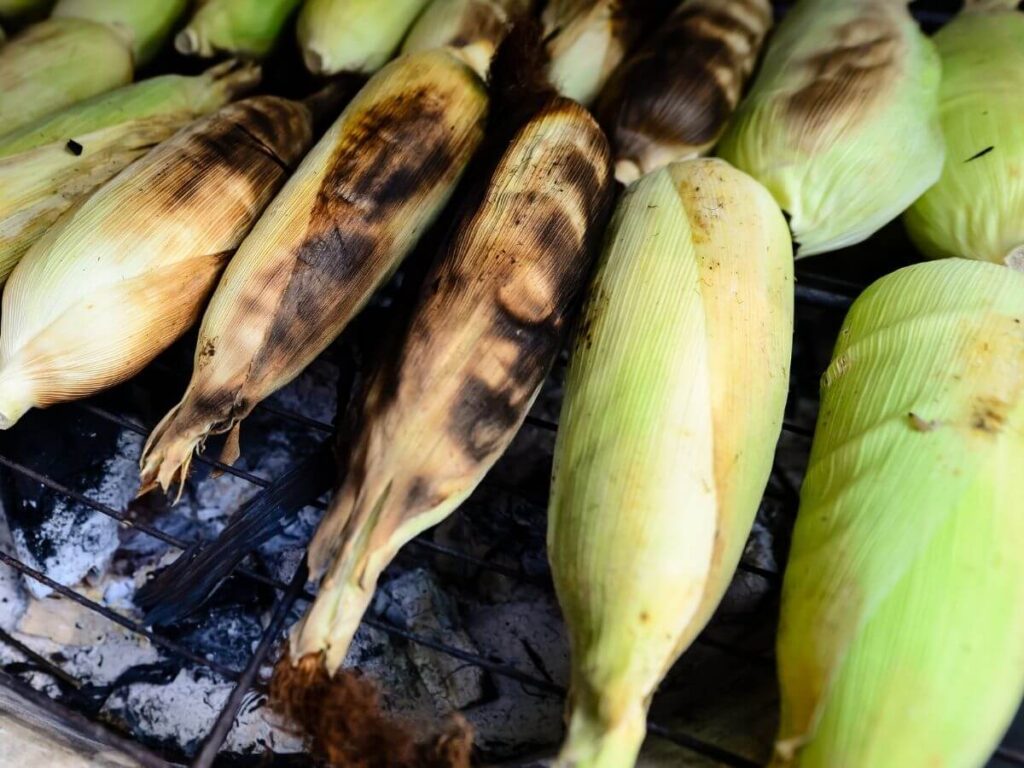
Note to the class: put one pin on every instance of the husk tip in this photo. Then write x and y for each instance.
(187, 41)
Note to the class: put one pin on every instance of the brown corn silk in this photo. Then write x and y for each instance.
(480, 342)
(122, 276)
(672, 99)
(340, 227)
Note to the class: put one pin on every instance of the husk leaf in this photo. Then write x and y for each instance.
(144, 25)
(248, 28)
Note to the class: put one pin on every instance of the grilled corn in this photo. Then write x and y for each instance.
(344, 222)
(476, 27)
(901, 640)
(56, 63)
(353, 35)
(248, 28)
(10, 9)
(671, 100)
(673, 405)
(178, 98)
(841, 124)
(143, 24)
(123, 275)
(586, 41)
(481, 341)
(976, 210)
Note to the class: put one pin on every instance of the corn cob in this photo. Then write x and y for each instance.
(976, 210)
(39, 185)
(11, 9)
(586, 41)
(475, 26)
(671, 100)
(144, 25)
(674, 402)
(122, 276)
(344, 222)
(847, 97)
(42, 71)
(481, 341)
(902, 631)
(248, 28)
(178, 98)
(353, 35)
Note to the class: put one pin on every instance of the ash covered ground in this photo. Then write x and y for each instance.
(722, 691)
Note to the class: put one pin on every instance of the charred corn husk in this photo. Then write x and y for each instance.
(177, 98)
(487, 328)
(673, 405)
(586, 41)
(145, 25)
(39, 185)
(346, 219)
(56, 63)
(976, 209)
(476, 27)
(841, 124)
(901, 641)
(248, 28)
(123, 275)
(353, 35)
(671, 100)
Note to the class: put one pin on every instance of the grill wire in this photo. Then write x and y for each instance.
(827, 294)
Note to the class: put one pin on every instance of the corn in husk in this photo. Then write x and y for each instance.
(56, 63)
(671, 100)
(12, 9)
(122, 276)
(841, 124)
(673, 405)
(486, 331)
(901, 639)
(476, 27)
(976, 210)
(145, 25)
(178, 98)
(346, 219)
(248, 28)
(353, 35)
(586, 41)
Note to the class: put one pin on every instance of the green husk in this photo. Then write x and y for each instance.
(178, 96)
(143, 24)
(11, 9)
(37, 186)
(902, 627)
(247, 28)
(841, 125)
(674, 402)
(353, 35)
(976, 210)
(56, 63)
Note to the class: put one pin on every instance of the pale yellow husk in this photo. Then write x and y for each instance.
(39, 185)
(476, 27)
(123, 275)
(56, 63)
(673, 406)
(901, 639)
(353, 35)
(145, 25)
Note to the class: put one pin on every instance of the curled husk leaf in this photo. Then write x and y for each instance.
(347, 218)
(42, 70)
(901, 639)
(247, 28)
(673, 97)
(119, 278)
(586, 41)
(353, 35)
(481, 340)
(673, 405)
(178, 98)
(144, 25)
(841, 124)
(976, 210)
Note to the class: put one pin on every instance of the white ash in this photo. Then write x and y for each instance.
(80, 540)
(13, 599)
